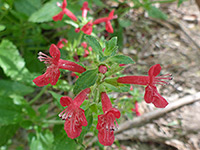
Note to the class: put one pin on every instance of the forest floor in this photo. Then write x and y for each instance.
(175, 44)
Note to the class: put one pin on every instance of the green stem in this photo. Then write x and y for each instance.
(54, 121)
(38, 95)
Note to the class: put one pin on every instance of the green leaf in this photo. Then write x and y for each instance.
(46, 13)
(125, 23)
(26, 6)
(87, 79)
(121, 59)
(7, 132)
(72, 23)
(111, 47)
(8, 87)
(96, 47)
(156, 13)
(57, 98)
(42, 141)
(2, 27)
(61, 141)
(10, 112)
(11, 62)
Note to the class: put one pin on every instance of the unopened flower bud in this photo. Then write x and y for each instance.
(103, 69)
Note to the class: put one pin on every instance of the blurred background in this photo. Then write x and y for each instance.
(165, 32)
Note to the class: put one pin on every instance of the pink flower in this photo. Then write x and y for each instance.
(103, 69)
(109, 27)
(73, 115)
(54, 63)
(85, 9)
(64, 11)
(90, 48)
(77, 30)
(86, 53)
(60, 44)
(151, 93)
(84, 45)
(106, 121)
(136, 110)
(87, 28)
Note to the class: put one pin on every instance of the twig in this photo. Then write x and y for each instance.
(139, 121)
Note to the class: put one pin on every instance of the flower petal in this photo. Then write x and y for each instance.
(58, 16)
(100, 20)
(115, 112)
(54, 52)
(87, 28)
(109, 27)
(65, 101)
(154, 70)
(70, 14)
(159, 101)
(106, 137)
(106, 103)
(42, 80)
(140, 80)
(78, 100)
(64, 4)
(110, 16)
(54, 76)
(71, 66)
(149, 92)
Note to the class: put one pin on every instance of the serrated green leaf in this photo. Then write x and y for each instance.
(10, 60)
(61, 140)
(111, 47)
(7, 132)
(96, 47)
(10, 112)
(156, 13)
(26, 6)
(46, 13)
(87, 79)
(121, 59)
(8, 87)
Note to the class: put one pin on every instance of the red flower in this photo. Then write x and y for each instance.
(54, 64)
(87, 28)
(84, 45)
(106, 121)
(73, 115)
(60, 43)
(64, 11)
(86, 53)
(103, 69)
(77, 30)
(136, 110)
(109, 27)
(151, 93)
(85, 9)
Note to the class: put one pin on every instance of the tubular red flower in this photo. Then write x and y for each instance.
(86, 53)
(106, 121)
(84, 45)
(64, 11)
(60, 44)
(73, 115)
(85, 9)
(109, 27)
(54, 63)
(136, 110)
(151, 93)
(87, 28)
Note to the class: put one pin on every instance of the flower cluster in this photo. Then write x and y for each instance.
(73, 114)
(88, 27)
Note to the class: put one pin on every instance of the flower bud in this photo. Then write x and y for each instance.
(103, 69)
